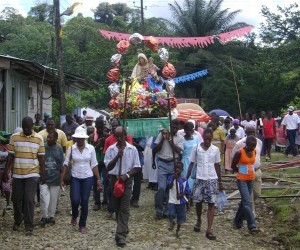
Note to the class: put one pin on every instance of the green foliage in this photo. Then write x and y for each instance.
(71, 104)
(96, 98)
(42, 12)
(281, 27)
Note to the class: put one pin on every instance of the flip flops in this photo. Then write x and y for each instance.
(210, 236)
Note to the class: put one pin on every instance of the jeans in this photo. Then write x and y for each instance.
(110, 207)
(122, 208)
(48, 197)
(164, 171)
(23, 194)
(177, 211)
(80, 193)
(291, 136)
(96, 192)
(245, 210)
(136, 190)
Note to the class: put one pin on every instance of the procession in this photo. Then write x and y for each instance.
(159, 155)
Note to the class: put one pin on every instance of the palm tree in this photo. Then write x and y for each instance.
(202, 18)
(196, 18)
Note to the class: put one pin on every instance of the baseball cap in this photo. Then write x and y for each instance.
(291, 108)
(89, 118)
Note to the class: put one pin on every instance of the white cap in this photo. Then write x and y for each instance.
(291, 108)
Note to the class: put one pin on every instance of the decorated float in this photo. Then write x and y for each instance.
(146, 100)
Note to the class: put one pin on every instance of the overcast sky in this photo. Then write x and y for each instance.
(159, 8)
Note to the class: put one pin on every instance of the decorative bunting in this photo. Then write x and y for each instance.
(189, 77)
(184, 41)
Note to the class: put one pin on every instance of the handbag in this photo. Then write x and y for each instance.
(119, 187)
(68, 176)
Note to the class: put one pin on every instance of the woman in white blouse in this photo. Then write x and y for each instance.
(84, 165)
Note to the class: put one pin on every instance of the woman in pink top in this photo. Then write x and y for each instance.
(230, 142)
(269, 133)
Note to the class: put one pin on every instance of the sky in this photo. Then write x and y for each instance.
(158, 8)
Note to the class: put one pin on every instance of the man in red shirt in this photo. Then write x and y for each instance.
(269, 133)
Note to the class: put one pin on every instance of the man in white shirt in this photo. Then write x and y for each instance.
(291, 125)
(248, 121)
(122, 162)
(240, 132)
(250, 130)
(208, 179)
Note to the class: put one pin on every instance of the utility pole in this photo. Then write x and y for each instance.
(143, 23)
(60, 71)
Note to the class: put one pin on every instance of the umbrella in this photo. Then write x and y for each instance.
(193, 106)
(219, 112)
(190, 114)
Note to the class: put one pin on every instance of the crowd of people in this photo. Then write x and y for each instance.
(183, 163)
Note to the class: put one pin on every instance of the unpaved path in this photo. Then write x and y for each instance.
(145, 231)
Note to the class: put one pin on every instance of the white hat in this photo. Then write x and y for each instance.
(192, 121)
(80, 133)
(291, 108)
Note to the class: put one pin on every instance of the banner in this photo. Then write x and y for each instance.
(190, 77)
(184, 41)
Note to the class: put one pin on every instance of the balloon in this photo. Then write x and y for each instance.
(170, 85)
(163, 54)
(113, 103)
(136, 38)
(114, 89)
(122, 46)
(169, 71)
(152, 43)
(115, 59)
(113, 75)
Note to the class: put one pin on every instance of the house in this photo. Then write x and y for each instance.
(27, 88)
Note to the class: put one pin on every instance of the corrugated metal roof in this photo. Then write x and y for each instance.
(50, 73)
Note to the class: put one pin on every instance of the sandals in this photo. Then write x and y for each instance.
(210, 236)
(197, 227)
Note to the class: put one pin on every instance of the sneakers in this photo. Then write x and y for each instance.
(43, 222)
(8, 207)
(134, 204)
(51, 221)
(109, 215)
(96, 207)
(74, 221)
(83, 230)
(171, 225)
(120, 242)
(28, 232)
(16, 227)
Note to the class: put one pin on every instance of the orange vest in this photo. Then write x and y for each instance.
(246, 168)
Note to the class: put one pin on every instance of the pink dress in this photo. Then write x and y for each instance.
(229, 143)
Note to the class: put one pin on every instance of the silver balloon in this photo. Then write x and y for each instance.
(163, 54)
(114, 89)
(136, 38)
(170, 85)
(115, 59)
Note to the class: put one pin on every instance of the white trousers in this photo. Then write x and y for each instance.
(48, 200)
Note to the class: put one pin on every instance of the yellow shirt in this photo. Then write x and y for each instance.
(62, 138)
(25, 150)
(218, 136)
(69, 144)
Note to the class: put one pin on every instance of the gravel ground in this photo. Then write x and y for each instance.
(145, 231)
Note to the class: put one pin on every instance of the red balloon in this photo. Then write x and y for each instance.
(123, 46)
(152, 43)
(169, 70)
(113, 75)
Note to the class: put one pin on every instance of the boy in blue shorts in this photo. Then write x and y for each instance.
(177, 197)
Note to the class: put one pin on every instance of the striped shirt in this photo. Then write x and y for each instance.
(25, 150)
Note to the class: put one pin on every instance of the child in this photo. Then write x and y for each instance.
(230, 142)
(177, 197)
(54, 159)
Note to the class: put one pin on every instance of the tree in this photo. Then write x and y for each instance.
(282, 27)
(201, 18)
(42, 12)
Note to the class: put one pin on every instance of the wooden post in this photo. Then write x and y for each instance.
(236, 88)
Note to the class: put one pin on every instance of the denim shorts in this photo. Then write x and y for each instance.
(177, 211)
